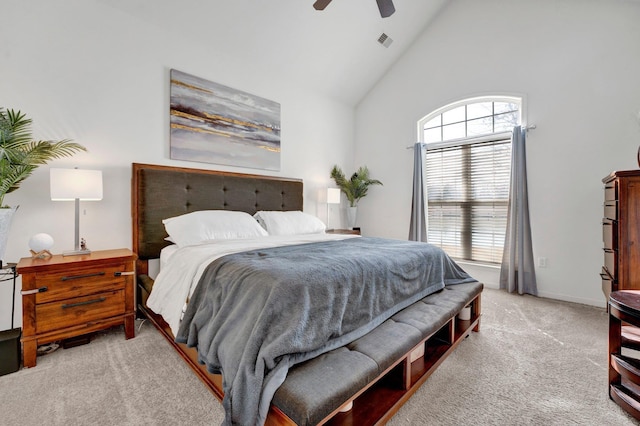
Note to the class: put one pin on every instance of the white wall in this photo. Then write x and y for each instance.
(85, 71)
(577, 64)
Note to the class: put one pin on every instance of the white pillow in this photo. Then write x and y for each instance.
(204, 225)
(289, 223)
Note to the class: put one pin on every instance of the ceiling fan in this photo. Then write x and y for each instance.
(386, 6)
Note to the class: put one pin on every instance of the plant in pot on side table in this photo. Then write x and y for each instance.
(20, 155)
(354, 188)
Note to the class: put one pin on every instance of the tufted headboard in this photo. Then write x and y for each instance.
(159, 192)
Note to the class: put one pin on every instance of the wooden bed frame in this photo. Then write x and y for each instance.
(160, 192)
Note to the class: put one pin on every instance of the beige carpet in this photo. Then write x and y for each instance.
(534, 362)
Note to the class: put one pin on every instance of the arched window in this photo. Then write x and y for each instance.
(467, 172)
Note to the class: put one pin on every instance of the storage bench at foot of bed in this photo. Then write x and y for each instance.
(375, 372)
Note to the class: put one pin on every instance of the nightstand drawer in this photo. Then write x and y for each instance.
(80, 310)
(79, 282)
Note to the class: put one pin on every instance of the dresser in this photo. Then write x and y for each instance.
(67, 296)
(621, 232)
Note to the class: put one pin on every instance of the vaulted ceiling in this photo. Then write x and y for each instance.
(334, 51)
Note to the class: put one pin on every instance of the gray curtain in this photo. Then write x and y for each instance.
(418, 226)
(517, 272)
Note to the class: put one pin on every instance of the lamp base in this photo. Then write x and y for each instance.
(81, 245)
(42, 254)
(76, 252)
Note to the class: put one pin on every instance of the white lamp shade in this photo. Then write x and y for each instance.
(333, 195)
(69, 184)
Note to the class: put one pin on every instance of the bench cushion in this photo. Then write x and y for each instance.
(325, 381)
(315, 388)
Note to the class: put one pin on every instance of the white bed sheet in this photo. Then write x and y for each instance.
(181, 270)
(166, 253)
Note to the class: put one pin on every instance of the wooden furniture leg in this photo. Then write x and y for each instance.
(29, 352)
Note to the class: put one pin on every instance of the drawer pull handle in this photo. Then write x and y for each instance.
(34, 291)
(122, 274)
(86, 302)
(75, 277)
(606, 277)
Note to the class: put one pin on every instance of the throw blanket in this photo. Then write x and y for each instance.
(255, 314)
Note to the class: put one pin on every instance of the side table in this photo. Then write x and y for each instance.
(624, 371)
(69, 296)
(354, 231)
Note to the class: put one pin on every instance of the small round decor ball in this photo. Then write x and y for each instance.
(40, 242)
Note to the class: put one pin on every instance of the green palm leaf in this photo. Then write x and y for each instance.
(357, 186)
(20, 155)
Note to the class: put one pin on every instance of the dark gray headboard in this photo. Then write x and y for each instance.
(159, 192)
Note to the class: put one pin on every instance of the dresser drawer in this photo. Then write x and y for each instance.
(79, 282)
(610, 192)
(611, 210)
(80, 310)
(608, 283)
(610, 234)
(611, 262)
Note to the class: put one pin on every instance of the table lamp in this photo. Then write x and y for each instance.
(333, 197)
(75, 185)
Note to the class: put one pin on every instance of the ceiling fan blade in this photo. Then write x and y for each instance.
(386, 8)
(321, 4)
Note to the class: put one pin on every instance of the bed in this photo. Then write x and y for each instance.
(361, 372)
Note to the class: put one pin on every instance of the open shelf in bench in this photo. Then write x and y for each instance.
(384, 398)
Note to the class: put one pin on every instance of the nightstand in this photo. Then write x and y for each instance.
(67, 296)
(354, 231)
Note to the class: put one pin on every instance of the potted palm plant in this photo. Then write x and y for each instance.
(20, 155)
(354, 188)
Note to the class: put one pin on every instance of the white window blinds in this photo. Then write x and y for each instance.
(468, 191)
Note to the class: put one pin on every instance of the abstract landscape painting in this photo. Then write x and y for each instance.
(212, 123)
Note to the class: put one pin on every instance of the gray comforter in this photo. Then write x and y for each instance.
(255, 314)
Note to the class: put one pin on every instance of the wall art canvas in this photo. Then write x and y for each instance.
(212, 123)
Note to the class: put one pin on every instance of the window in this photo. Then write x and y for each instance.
(467, 173)
(471, 120)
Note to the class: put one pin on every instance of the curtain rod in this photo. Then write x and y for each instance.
(527, 128)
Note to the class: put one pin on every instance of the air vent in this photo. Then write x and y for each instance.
(385, 40)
